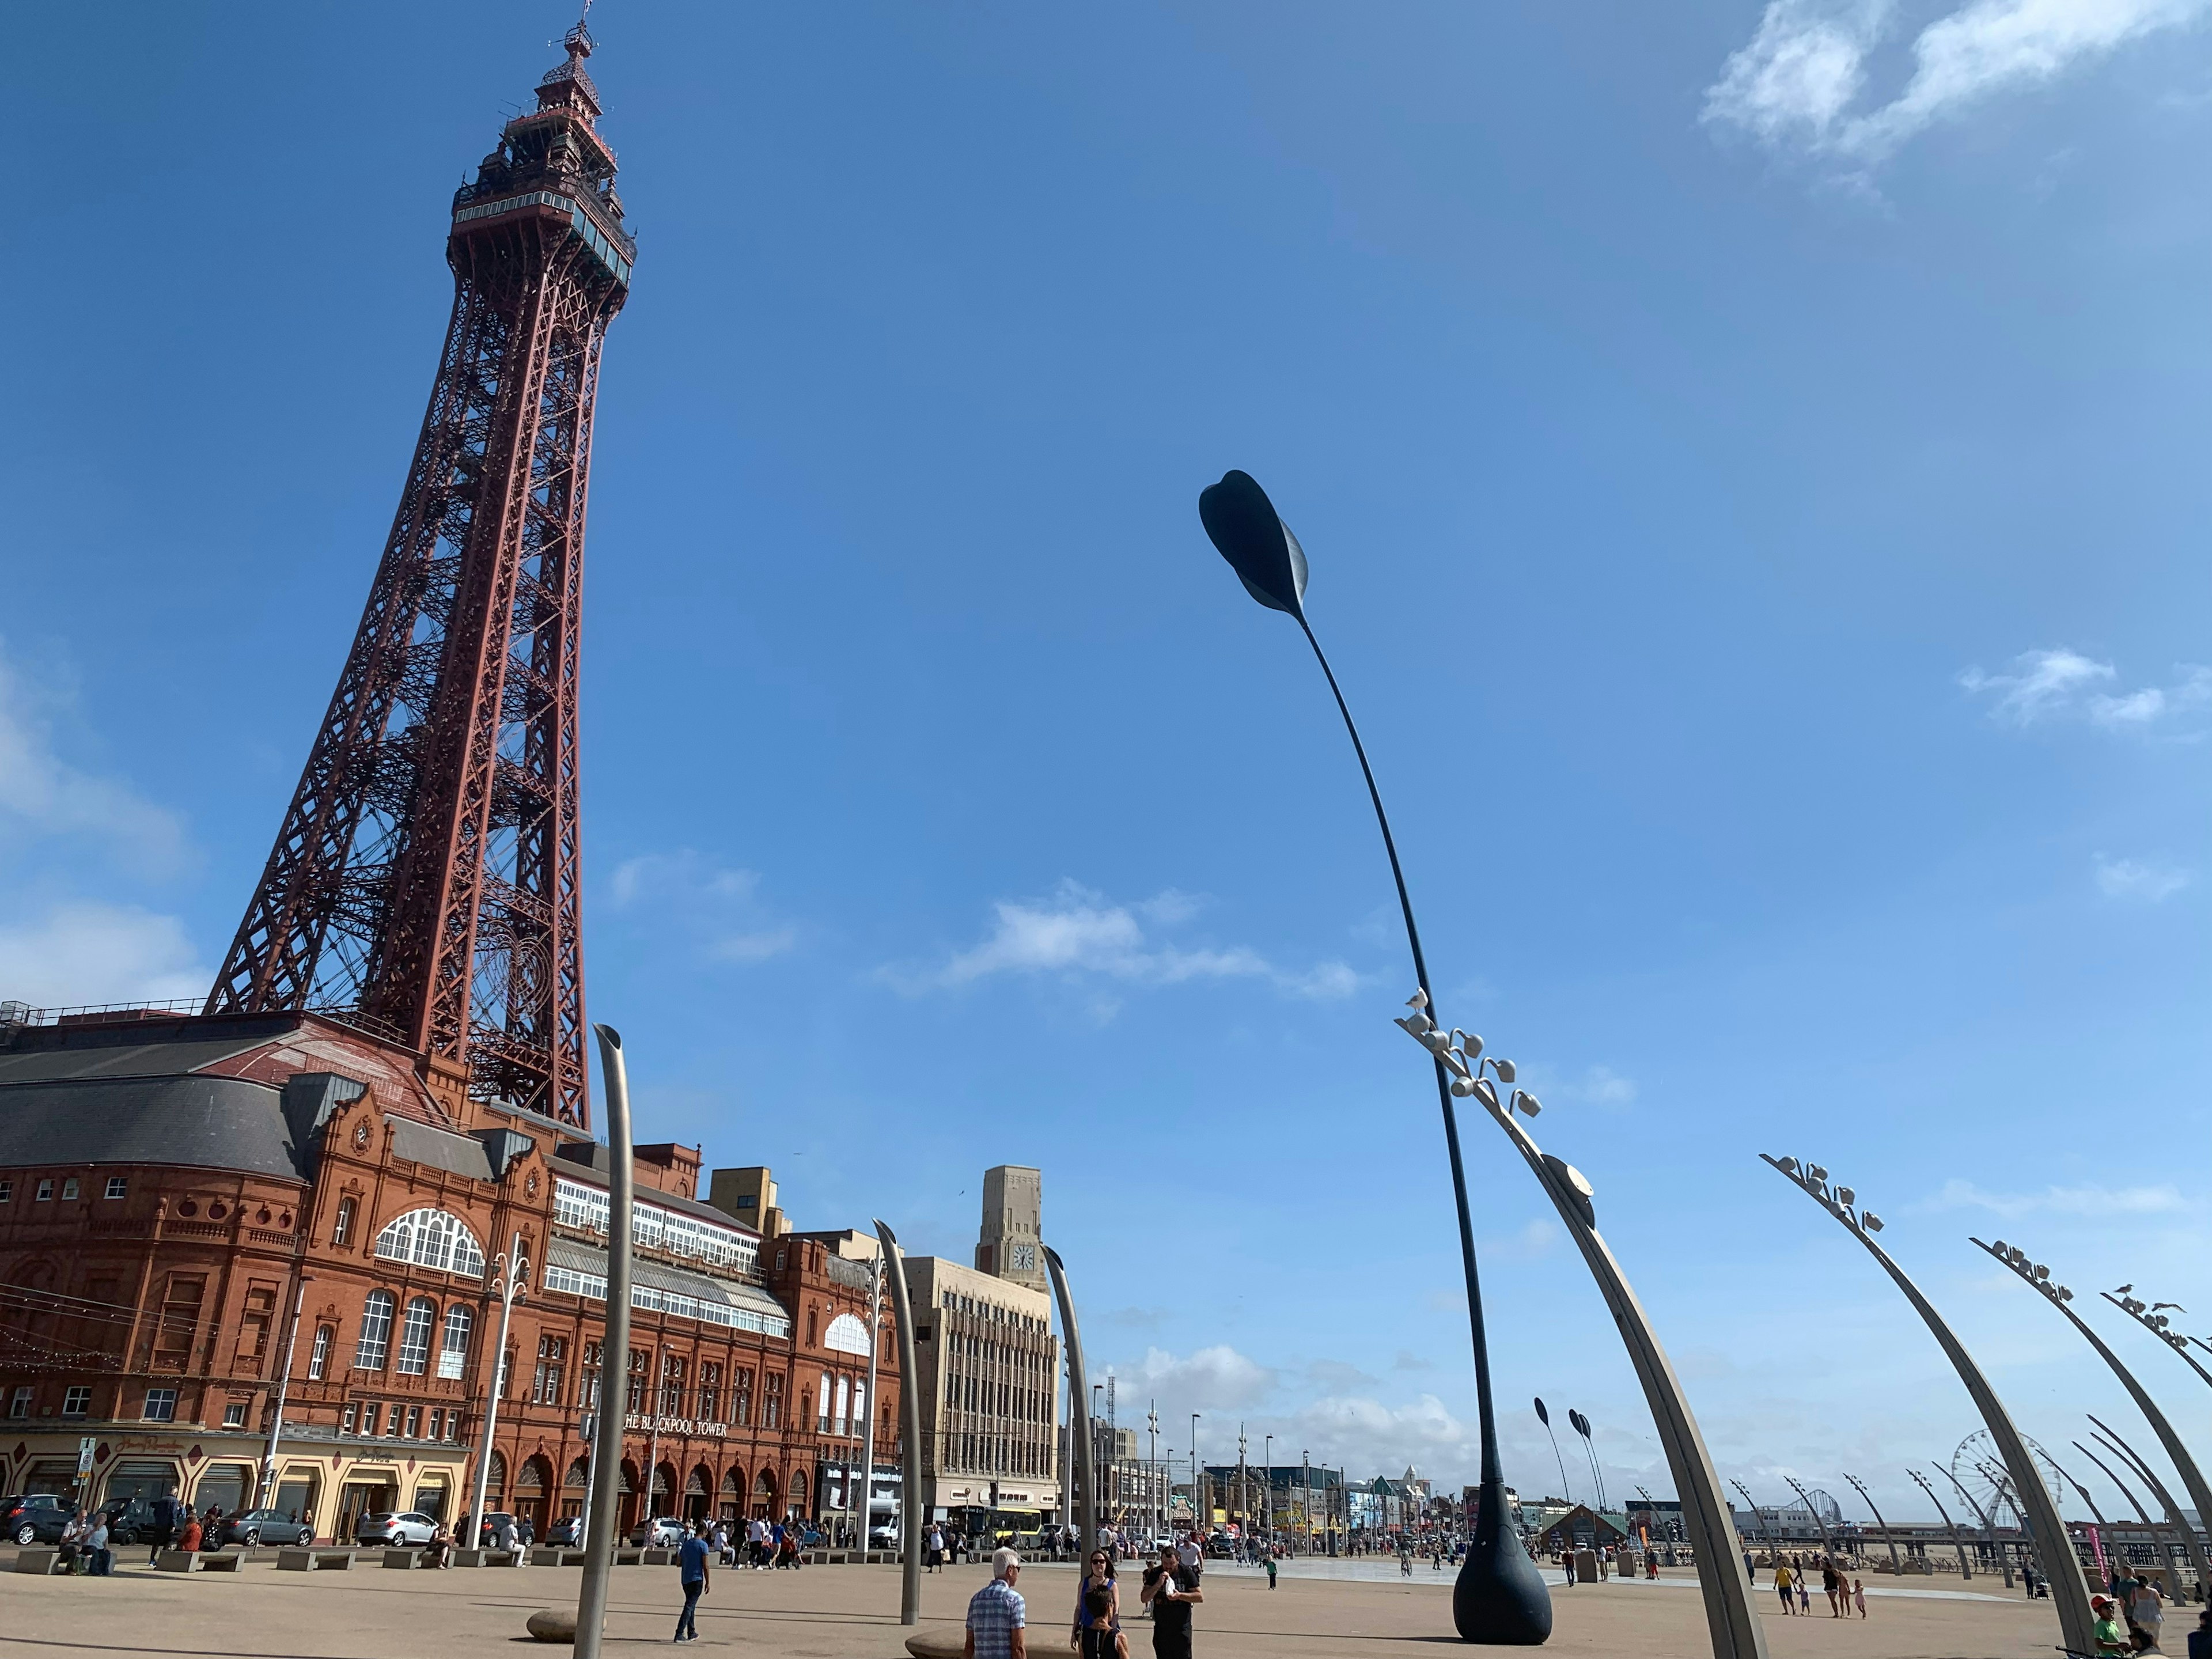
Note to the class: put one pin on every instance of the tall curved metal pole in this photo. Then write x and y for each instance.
(605, 1490)
(1086, 1475)
(910, 1516)
(1499, 1597)
(2070, 1592)
(2200, 1492)
(1958, 1541)
(1988, 1526)
(1758, 1517)
(2173, 1339)
(1734, 1630)
(1887, 1537)
(2098, 1515)
(1819, 1522)
(2173, 1510)
(2150, 1526)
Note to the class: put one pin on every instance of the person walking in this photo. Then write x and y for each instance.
(1097, 1575)
(1099, 1636)
(933, 1548)
(692, 1574)
(1858, 1598)
(164, 1529)
(2146, 1608)
(1782, 1587)
(1170, 1596)
(1831, 1582)
(997, 1616)
(1269, 1561)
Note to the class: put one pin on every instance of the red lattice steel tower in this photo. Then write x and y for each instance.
(426, 881)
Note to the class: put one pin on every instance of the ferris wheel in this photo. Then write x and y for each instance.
(1977, 1467)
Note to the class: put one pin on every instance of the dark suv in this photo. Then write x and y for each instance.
(32, 1518)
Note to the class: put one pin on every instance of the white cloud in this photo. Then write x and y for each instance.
(718, 907)
(1219, 1376)
(1076, 933)
(2131, 879)
(82, 952)
(43, 796)
(1800, 79)
(2043, 683)
(1357, 1432)
(1603, 1087)
(2094, 1201)
(2059, 682)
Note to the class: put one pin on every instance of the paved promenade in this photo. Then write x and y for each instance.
(852, 1612)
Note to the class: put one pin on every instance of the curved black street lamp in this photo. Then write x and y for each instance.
(1499, 1597)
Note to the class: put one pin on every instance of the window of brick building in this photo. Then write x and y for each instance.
(710, 1390)
(741, 1397)
(319, 1356)
(69, 1188)
(640, 1384)
(178, 1323)
(6, 1191)
(20, 1404)
(375, 1344)
(342, 1224)
(772, 1403)
(414, 1422)
(253, 1322)
(415, 1336)
(76, 1401)
(161, 1406)
(454, 1356)
(587, 1380)
(117, 1186)
(346, 1419)
(233, 1414)
(45, 1193)
(437, 1423)
(552, 1368)
(671, 1385)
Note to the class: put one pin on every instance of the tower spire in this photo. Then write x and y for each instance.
(427, 880)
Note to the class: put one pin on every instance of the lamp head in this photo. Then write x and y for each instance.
(1870, 1221)
(1845, 1195)
(1246, 530)
(1504, 1070)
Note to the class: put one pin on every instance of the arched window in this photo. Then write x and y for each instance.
(453, 1354)
(495, 1483)
(822, 1413)
(431, 1238)
(415, 1336)
(375, 1342)
(847, 1335)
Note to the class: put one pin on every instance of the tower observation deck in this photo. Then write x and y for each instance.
(425, 885)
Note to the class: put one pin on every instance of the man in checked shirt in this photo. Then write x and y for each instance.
(996, 1615)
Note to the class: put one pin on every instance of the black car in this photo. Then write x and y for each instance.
(133, 1523)
(251, 1527)
(32, 1518)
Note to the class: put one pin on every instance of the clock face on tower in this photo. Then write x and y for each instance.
(1022, 1258)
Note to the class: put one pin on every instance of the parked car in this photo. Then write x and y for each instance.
(32, 1518)
(568, 1532)
(131, 1523)
(883, 1538)
(665, 1532)
(394, 1529)
(251, 1526)
(487, 1529)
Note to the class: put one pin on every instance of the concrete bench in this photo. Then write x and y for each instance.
(222, 1561)
(196, 1561)
(661, 1558)
(630, 1558)
(404, 1560)
(42, 1561)
(304, 1558)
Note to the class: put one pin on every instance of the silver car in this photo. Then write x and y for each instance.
(389, 1529)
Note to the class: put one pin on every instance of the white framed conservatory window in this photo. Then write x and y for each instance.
(432, 1238)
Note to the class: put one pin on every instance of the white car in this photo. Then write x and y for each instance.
(665, 1533)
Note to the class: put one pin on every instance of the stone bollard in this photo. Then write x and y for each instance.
(553, 1625)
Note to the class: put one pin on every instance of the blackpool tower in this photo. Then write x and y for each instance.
(425, 883)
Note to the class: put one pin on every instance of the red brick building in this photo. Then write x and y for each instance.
(171, 1187)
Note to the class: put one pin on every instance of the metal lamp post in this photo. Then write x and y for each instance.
(1988, 1525)
(604, 1495)
(2152, 1319)
(1197, 1526)
(1820, 1521)
(1958, 1542)
(1086, 1470)
(1887, 1537)
(510, 1283)
(2180, 1522)
(2039, 1276)
(1732, 1627)
(910, 1516)
(2062, 1567)
(1499, 1597)
(1268, 1451)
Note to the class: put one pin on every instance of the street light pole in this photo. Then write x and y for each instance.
(510, 1283)
(1197, 1529)
(1079, 1395)
(2152, 1319)
(1859, 1487)
(868, 1429)
(2200, 1492)
(2070, 1592)
(1988, 1526)
(1268, 1451)
(1499, 1597)
(910, 1516)
(605, 1493)
(2180, 1521)
(1965, 1569)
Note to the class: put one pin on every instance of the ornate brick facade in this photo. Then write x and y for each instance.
(172, 1188)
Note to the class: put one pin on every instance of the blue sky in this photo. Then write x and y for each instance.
(1750, 459)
